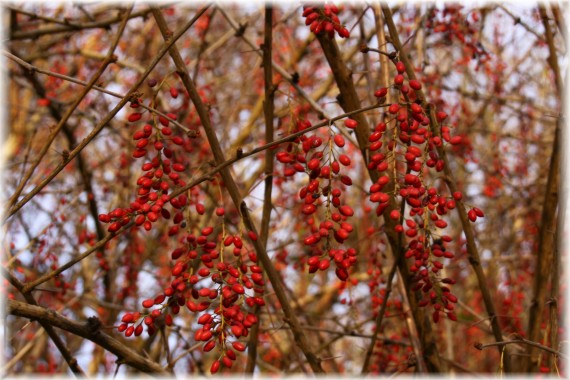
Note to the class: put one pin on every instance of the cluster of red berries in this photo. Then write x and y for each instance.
(324, 20)
(203, 280)
(324, 190)
(415, 145)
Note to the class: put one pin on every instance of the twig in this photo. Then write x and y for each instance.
(110, 58)
(73, 27)
(520, 22)
(33, 68)
(89, 330)
(348, 100)
(546, 241)
(379, 319)
(61, 346)
(268, 107)
(520, 340)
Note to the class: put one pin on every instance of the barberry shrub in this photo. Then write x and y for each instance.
(326, 188)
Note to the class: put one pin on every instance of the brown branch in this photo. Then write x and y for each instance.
(379, 319)
(546, 241)
(264, 147)
(89, 330)
(105, 120)
(61, 346)
(85, 175)
(29, 286)
(33, 34)
(33, 68)
(520, 22)
(268, 107)
(233, 190)
(520, 340)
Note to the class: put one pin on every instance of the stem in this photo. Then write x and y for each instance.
(546, 237)
(268, 107)
(89, 330)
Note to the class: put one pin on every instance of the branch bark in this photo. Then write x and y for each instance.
(546, 237)
(268, 108)
(89, 330)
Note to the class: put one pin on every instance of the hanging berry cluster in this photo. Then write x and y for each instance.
(205, 279)
(409, 156)
(323, 163)
(324, 20)
(213, 274)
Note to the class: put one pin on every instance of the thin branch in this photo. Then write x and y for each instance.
(520, 22)
(520, 340)
(61, 346)
(268, 107)
(32, 34)
(348, 100)
(379, 319)
(29, 286)
(110, 58)
(90, 330)
(546, 236)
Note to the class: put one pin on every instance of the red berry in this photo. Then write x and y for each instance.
(399, 80)
(381, 92)
(400, 67)
(395, 215)
(346, 210)
(416, 85)
(215, 366)
(134, 117)
(394, 108)
(339, 140)
(478, 212)
(344, 33)
(239, 346)
(344, 159)
(350, 123)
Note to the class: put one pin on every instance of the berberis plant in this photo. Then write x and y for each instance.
(319, 188)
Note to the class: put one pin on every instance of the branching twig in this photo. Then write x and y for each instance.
(89, 330)
(520, 340)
